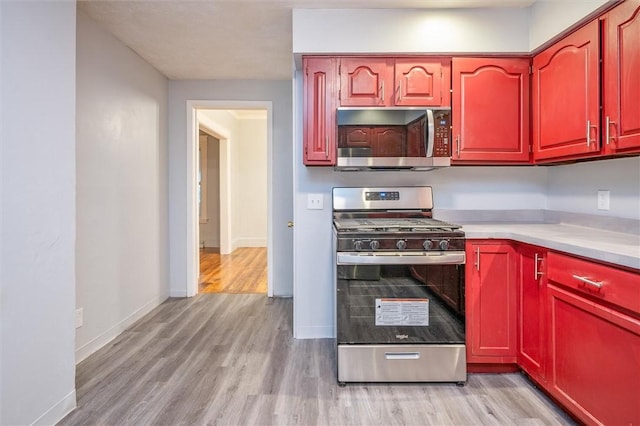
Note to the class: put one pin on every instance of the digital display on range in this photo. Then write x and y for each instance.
(382, 196)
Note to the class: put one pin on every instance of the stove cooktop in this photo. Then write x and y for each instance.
(393, 225)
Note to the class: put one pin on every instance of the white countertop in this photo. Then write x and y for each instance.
(612, 247)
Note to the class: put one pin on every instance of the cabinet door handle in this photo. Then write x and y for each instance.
(458, 146)
(477, 258)
(400, 90)
(326, 146)
(589, 126)
(536, 272)
(586, 280)
(608, 125)
(382, 91)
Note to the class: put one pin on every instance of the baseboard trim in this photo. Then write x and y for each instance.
(59, 410)
(249, 242)
(178, 293)
(98, 342)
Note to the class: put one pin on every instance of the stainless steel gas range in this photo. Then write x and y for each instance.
(399, 288)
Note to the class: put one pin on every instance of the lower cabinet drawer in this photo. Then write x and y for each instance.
(402, 363)
(609, 284)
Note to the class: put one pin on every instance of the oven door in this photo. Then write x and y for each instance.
(400, 316)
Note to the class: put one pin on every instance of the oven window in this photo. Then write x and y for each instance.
(379, 304)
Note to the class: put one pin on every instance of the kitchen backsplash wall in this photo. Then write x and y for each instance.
(574, 187)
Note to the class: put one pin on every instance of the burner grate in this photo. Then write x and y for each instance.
(394, 225)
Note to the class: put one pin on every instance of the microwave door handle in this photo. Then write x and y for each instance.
(430, 133)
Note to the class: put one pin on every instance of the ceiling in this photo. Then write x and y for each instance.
(229, 39)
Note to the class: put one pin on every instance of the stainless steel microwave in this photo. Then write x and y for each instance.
(393, 138)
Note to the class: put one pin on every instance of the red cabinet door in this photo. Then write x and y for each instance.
(566, 107)
(319, 126)
(531, 312)
(490, 110)
(594, 359)
(366, 82)
(621, 122)
(491, 272)
(422, 83)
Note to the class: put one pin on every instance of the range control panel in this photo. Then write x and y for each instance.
(442, 134)
(382, 195)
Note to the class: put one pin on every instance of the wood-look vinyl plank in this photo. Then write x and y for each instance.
(230, 359)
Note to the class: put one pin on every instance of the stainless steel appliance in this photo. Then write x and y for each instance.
(393, 138)
(399, 288)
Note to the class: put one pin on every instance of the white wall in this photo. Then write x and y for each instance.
(250, 186)
(548, 19)
(122, 207)
(38, 211)
(279, 94)
(410, 30)
(574, 187)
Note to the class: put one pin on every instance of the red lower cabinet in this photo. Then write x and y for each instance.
(572, 324)
(491, 302)
(594, 359)
(531, 311)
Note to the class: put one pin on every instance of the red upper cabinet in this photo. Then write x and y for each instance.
(490, 110)
(566, 107)
(422, 83)
(491, 273)
(320, 103)
(366, 82)
(621, 117)
(384, 82)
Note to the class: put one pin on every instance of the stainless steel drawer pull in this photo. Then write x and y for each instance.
(586, 280)
(402, 355)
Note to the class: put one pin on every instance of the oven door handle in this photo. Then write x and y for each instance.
(404, 258)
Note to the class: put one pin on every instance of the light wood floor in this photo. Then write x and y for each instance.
(230, 359)
(243, 271)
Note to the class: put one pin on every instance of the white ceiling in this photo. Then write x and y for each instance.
(229, 39)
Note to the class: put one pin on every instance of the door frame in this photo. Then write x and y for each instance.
(192, 222)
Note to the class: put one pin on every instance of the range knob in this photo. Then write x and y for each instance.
(427, 244)
(401, 244)
(374, 244)
(357, 245)
(444, 244)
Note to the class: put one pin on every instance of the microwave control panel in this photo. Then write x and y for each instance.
(442, 134)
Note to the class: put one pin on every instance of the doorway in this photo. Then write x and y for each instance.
(244, 194)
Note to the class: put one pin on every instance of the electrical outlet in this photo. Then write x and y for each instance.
(603, 199)
(79, 317)
(315, 201)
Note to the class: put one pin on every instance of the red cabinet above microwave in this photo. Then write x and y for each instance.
(381, 82)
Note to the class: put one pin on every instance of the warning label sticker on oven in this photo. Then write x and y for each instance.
(414, 312)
